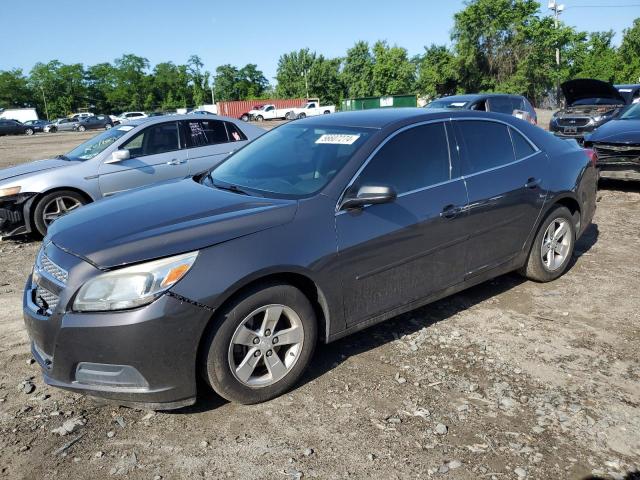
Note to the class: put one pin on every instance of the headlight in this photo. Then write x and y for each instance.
(134, 286)
(7, 192)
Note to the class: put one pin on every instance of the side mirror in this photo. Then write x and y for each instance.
(119, 156)
(368, 195)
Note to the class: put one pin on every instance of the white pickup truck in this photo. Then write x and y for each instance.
(270, 112)
(311, 109)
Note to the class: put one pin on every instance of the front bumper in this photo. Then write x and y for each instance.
(14, 214)
(144, 357)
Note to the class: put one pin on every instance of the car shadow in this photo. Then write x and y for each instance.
(626, 186)
(629, 476)
(588, 239)
(328, 357)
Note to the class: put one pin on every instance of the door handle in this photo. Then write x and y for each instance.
(175, 161)
(450, 211)
(532, 183)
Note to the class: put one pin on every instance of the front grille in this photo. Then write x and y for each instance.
(45, 299)
(573, 122)
(618, 153)
(52, 270)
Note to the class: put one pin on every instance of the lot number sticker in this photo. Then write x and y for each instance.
(338, 139)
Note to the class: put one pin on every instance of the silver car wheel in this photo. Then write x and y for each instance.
(556, 244)
(266, 345)
(58, 207)
(108, 126)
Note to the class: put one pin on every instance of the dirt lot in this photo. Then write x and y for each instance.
(508, 380)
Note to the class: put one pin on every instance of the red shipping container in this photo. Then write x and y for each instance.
(236, 108)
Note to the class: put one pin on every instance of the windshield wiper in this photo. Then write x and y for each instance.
(230, 188)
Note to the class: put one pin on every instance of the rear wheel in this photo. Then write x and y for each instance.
(302, 115)
(327, 112)
(108, 126)
(261, 344)
(82, 128)
(53, 206)
(244, 118)
(53, 130)
(552, 248)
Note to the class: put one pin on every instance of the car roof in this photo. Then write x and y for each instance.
(177, 116)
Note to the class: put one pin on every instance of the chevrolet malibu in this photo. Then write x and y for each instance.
(128, 156)
(317, 229)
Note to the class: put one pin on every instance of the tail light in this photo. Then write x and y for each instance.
(592, 155)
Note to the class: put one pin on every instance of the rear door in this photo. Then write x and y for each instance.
(156, 155)
(503, 172)
(208, 143)
(399, 252)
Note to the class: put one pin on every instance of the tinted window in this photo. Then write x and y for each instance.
(201, 133)
(501, 105)
(153, 140)
(520, 144)
(413, 159)
(235, 134)
(485, 144)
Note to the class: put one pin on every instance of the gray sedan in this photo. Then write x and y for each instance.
(62, 125)
(128, 156)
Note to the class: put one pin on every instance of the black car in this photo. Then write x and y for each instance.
(631, 93)
(589, 104)
(37, 125)
(617, 145)
(14, 127)
(315, 230)
(94, 122)
(515, 105)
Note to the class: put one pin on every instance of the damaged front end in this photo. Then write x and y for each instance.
(576, 122)
(616, 161)
(14, 214)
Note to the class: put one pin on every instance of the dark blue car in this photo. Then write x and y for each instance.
(317, 229)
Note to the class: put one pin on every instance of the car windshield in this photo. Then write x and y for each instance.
(453, 104)
(97, 144)
(633, 113)
(292, 161)
(596, 101)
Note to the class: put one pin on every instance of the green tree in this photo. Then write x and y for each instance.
(629, 55)
(392, 71)
(130, 87)
(227, 83)
(437, 72)
(199, 80)
(14, 89)
(292, 74)
(100, 80)
(595, 57)
(252, 82)
(63, 85)
(357, 73)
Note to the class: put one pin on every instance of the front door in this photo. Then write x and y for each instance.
(395, 253)
(503, 172)
(156, 155)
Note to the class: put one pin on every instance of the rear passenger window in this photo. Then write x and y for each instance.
(521, 146)
(485, 144)
(235, 134)
(413, 159)
(201, 133)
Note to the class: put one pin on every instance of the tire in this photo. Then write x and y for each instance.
(29, 131)
(53, 130)
(108, 126)
(221, 357)
(260, 118)
(81, 128)
(302, 115)
(244, 118)
(44, 208)
(540, 267)
(326, 112)
(289, 116)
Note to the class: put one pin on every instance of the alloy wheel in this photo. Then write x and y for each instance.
(556, 244)
(266, 345)
(58, 207)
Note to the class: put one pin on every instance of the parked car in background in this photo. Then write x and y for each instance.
(515, 105)
(81, 115)
(590, 104)
(33, 195)
(19, 114)
(95, 122)
(318, 229)
(37, 125)
(617, 145)
(128, 116)
(14, 127)
(312, 109)
(202, 112)
(270, 112)
(631, 93)
(245, 117)
(62, 125)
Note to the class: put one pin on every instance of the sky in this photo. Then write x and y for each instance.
(242, 31)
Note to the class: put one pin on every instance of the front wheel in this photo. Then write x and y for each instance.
(53, 206)
(81, 128)
(108, 126)
(302, 115)
(244, 118)
(260, 118)
(29, 131)
(53, 130)
(327, 112)
(552, 248)
(261, 344)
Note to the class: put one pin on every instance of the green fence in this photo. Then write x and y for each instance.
(366, 103)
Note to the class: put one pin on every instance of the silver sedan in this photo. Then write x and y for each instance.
(137, 154)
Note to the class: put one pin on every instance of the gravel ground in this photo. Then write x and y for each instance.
(508, 380)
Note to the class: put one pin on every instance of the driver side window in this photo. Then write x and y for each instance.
(153, 140)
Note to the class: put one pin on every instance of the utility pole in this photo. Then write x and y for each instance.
(305, 73)
(213, 96)
(557, 9)
(46, 110)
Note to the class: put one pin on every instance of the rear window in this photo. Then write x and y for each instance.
(486, 145)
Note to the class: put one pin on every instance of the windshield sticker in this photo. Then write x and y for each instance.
(125, 128)
(458, 104)
(338, 139)
(625, 90)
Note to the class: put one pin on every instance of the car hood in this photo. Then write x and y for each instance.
(166, 219)
(33, 167)
(617, 131)
(583, 88)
